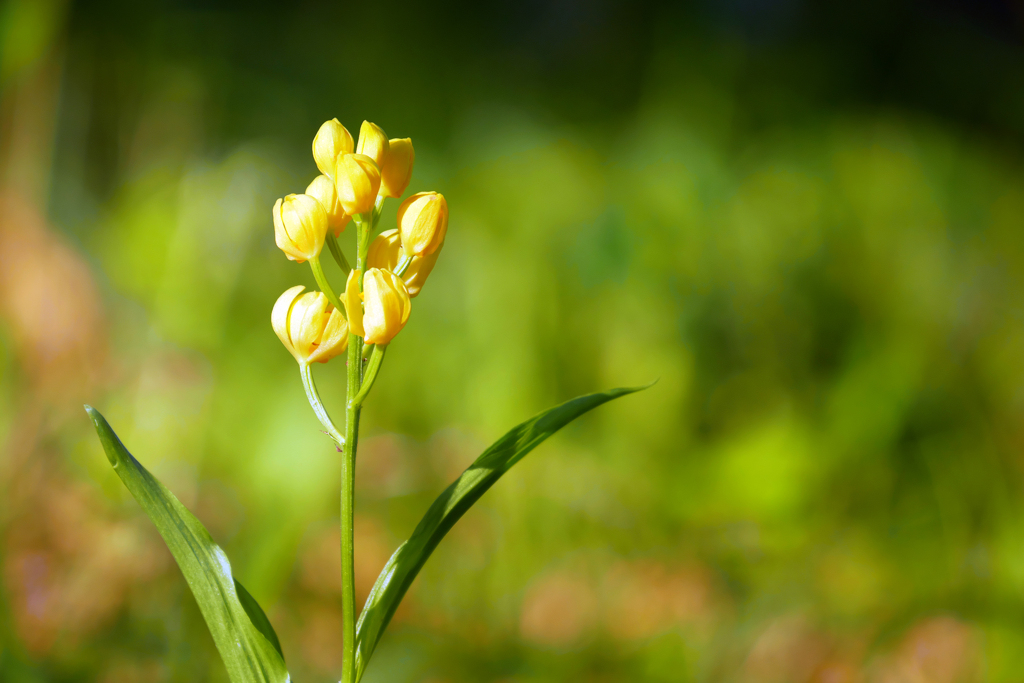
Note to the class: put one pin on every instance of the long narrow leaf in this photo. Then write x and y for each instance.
(405, 564)
(249, 655)
(257, 616)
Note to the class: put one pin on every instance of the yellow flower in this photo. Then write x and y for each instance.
(397, 169)
(308, 326)
(386, 251)
(373, 142)
(423, 222)
(300, 226)
(323, 190)
(387, 305)
(354, 303)
(358, 180)
(331, 141)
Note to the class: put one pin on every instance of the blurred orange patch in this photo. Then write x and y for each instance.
(935, 650)
(559, 610)
(646, 598)
(49, 298)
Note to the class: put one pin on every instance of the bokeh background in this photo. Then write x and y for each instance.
(804, 219)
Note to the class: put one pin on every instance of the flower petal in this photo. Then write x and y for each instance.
(279, 317)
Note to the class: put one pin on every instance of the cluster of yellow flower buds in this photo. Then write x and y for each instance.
(356, 178)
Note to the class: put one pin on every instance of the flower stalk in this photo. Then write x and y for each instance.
(324, 284)
(338, 254)
(318, 407)
(370, 373)
(319, 326)
(403, 264)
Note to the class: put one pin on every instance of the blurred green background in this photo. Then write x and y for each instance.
(804, 218)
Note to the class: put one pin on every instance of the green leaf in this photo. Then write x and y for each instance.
(405, 564)
(243, 635)
(258, 617)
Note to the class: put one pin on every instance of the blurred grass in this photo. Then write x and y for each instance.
(816, 247)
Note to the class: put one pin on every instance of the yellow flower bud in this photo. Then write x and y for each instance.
(386, 251)
(358, 180)
(308, 326)
(397, 169)
(423, 221)
(373, 142)
(323, 190)
(354, 303)
(331, 141)
(387, 305)
(300, 226)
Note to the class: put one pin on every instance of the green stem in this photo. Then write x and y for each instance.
(318, 407)
(325, 286)
(364, 228)
(403, 264)
(376, 357)
(337, 253)
(378, 207)
(348, 466)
